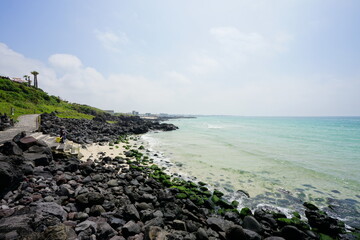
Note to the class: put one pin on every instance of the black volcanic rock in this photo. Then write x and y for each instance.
(98, 130)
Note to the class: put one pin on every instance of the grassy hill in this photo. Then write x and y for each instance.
(29, 100)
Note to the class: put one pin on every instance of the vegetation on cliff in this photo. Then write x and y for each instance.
(24, 99)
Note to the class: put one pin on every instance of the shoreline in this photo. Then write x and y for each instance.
(127, 196)
(286, 200)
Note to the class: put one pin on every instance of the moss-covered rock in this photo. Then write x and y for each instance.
(235, 204)
(215, 199)
(294, 222)
(296, 214)
(181, 196)
(218, 193)
(245, 212)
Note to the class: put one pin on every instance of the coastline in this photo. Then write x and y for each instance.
(119, 193)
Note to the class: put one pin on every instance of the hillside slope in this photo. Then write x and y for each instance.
(29, 100)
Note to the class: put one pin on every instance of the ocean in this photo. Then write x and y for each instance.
(279, 162)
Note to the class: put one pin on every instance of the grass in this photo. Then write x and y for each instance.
(29, 100)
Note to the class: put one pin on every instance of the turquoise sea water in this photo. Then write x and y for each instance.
(278, 161)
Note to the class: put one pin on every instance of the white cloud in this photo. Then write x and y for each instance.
(176, 77)
(111, 41)
(65, 62)
(202, 64)
(175, 92)
(253, 43)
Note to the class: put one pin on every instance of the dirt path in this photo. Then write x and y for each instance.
(27, 123)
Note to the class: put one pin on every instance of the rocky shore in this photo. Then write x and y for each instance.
(50, 195)
(86, 131)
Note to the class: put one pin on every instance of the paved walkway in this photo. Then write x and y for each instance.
(27, 123)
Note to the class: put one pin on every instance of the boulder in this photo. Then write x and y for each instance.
(20, 224)
(26, 142)
(17, 137)
(219, 224)
(252, 224)
(10, 176)
(291, 232)
(251, 235)
(11, 148)
(39, 159)
(235, 232)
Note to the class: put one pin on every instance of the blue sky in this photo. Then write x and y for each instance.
(237, 57)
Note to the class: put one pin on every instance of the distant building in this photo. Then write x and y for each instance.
(19, 80)
(148, 114)
(135, 113)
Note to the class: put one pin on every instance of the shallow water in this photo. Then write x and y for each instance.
(278, 161)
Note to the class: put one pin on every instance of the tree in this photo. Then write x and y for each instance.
(27, 78)
(35, 73)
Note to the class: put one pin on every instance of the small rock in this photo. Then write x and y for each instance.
(96, 210)
(155, 233)
(86, 225)
(60, 232)
(179, 225)
(131, 228)
(201, 234)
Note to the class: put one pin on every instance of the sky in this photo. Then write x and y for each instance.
(230, 57)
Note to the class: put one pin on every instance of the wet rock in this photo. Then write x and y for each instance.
(235, 232)
(291, 232)
(251, 235)
(310, 206)
(252, 224)
(324, 223)
(219, 224)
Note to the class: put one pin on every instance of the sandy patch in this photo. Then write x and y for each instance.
(96, 150)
